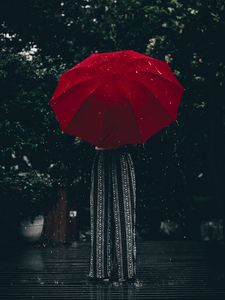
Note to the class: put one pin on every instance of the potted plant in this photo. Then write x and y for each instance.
(27, 197)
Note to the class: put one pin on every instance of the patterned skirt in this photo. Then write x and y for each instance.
(113, 216)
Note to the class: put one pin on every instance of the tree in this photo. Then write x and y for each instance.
(58, 34)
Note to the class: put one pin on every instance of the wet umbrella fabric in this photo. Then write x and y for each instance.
(116, 98)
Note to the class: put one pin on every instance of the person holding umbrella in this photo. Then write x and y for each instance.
(112, 100)
(113, 216)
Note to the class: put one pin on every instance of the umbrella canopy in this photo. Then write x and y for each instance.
(116, 98)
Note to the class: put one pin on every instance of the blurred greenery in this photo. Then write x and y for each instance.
(28, 193)
(182, 163)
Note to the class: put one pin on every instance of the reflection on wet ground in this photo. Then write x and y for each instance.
(166, 269)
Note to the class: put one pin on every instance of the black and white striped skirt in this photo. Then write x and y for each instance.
(113, 215)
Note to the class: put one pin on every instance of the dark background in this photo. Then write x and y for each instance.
(180, 171)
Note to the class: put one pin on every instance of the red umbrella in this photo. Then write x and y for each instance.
(116, 98)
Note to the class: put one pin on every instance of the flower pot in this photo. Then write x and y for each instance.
(31, 231)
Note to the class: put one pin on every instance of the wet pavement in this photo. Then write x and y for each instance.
(166, 269)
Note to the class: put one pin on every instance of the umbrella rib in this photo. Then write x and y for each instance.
(162, 107)
(135, 118)
(56, 99)
(152, 63)
(163, 78)
(80, 108)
